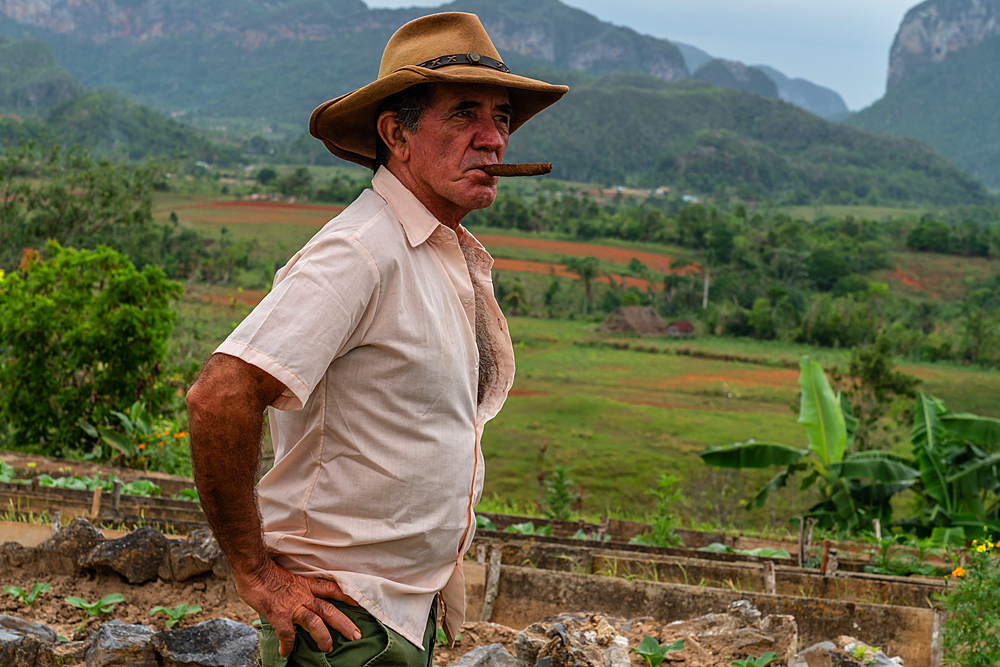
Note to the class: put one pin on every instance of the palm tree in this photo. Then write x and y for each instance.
(587, 268)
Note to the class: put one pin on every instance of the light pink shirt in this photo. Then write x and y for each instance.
(371, 327)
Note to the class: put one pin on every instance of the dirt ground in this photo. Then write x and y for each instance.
(215, 596)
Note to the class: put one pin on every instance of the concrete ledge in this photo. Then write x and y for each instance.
(527, 595)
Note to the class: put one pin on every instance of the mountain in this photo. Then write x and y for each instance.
(639, 131)
(44, 100)
(693, 56)
(823, 102)
(937, 29)
(944, 84)
(736, 75)
(234, 58)
(31, 78)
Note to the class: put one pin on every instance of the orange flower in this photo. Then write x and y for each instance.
(161, 443)
(958, 572)
(142, 446)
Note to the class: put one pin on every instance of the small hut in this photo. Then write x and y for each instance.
(639, 320)
(680, 330)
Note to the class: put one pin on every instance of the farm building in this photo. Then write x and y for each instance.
(680, 330)
(641, 320)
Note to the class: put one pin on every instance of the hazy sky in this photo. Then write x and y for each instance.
(843, 45)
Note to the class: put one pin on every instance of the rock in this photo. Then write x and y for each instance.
(572, 640)
(18, 649)
(191, 557)
(784, 633)
(119, 644)
(745, 613)
(13, 555)
(823, 654)
(215, 643)
(137, 556)
(714, 640)
(43, 632)
(64, 550)
(63, 653)
(494, 655)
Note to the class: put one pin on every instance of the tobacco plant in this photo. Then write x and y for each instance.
(27, 597)
(177, 614)
(654, 653)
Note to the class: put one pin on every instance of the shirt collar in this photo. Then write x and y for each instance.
(418, 223)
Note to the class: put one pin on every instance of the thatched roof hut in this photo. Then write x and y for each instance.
(640, 320)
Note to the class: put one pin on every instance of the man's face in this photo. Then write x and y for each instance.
(464, 127)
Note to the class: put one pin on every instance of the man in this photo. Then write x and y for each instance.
(380, 353)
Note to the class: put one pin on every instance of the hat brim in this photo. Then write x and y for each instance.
(346, 125)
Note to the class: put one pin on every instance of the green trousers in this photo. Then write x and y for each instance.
(378, 647)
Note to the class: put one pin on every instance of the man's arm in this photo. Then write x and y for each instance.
(225, 408)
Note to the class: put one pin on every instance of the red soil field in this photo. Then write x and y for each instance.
(276, 206)
(524, 266)
(654, 261)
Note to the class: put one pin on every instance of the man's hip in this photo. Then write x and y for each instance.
(379, 646)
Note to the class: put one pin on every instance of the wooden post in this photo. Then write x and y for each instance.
(95, 505)
(809, 535)
(877, 529)
(116, 496)
(770, 587)
(492, 583)
(802, 542)
(829, 564)
(55, 520)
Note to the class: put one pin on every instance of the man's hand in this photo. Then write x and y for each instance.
(286, 600)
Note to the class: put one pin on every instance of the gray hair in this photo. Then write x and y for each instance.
(408, 106)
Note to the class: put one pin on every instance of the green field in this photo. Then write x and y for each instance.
(616, 411)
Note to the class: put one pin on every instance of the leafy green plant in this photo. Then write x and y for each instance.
(971, 631)
(528, 528)
(27, 597)
(80, 332)
(140, 487)
(762, 661)
(763, 552)
(849, 500)
(560, 496)
(99, 608)
(192, 495)
(580, 534)
(959, 462)
(177, 614)
(663, 522)
(441, 639)
(654, 653)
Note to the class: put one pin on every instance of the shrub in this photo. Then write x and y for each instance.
(81, 333)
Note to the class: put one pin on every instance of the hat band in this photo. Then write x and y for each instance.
(471, 58)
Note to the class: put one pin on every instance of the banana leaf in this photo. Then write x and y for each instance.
(927, 452)
(875, 465)
(777, 482)
(821, 414)
(982, 431)
(984, 471)
(751, 454)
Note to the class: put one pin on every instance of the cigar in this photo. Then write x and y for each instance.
(528, 169)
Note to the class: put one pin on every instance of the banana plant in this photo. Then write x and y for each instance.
(958, 455)
(855, 487)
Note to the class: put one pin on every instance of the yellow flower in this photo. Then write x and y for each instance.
(981, 548)
(958, 572)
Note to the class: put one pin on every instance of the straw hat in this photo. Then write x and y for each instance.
(451, 48)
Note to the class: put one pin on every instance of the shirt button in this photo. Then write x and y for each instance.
(465, 301)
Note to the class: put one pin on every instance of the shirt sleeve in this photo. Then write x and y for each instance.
(324, 301)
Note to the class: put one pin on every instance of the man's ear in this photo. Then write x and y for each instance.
(394, 135)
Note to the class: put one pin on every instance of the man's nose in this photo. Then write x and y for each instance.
(489, 136)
